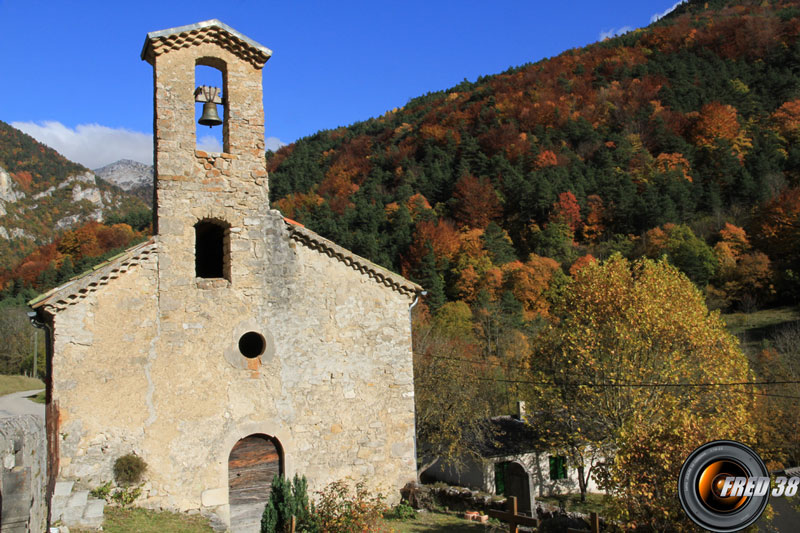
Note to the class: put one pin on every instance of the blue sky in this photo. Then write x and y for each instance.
(72, 77)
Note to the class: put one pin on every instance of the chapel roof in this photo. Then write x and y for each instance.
(84, 284)
(208, 31)
(300, 233)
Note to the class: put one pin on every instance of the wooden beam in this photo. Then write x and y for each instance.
(514, 520)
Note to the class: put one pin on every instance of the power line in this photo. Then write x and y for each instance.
(623, 384)
(771, 395)
(640, 385)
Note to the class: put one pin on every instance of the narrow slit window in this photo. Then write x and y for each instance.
(212, 250)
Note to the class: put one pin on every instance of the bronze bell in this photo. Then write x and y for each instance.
(210, 117)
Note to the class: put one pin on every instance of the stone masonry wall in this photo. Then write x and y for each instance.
(23, 478)
(138, 371)
(150, 363)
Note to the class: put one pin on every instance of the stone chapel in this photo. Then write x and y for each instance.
(235, 344)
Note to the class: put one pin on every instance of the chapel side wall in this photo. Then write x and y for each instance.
(102, 348)
(353, 372)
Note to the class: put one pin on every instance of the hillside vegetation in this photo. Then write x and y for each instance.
(43, 194)
(680, 138)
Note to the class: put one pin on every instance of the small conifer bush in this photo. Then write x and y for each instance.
(287, 499)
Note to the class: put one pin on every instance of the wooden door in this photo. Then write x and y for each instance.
(252, 464)
(518, 484)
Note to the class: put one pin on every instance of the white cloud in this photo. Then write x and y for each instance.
(92, 145)
(614, 32)
(273, 143)
(209, 143)
(657, 16)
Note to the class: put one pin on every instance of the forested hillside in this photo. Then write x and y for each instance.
(43, 194)
(49, 232)
(680, 138)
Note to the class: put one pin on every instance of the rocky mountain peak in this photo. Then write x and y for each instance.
(127, 174)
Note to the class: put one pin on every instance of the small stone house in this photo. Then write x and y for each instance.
(513, 463)
(235, 344)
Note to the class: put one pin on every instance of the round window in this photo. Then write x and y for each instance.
(252, 344)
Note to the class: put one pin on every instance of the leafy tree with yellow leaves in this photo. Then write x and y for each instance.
(626, 340)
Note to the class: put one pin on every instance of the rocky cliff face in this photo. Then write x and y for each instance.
(130, 176)
(126, 174)
(8, 193)
(32, 218)
(79, 198)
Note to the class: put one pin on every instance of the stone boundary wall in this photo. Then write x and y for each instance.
(23, 478)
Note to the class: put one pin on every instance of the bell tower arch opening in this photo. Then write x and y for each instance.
(210, 76)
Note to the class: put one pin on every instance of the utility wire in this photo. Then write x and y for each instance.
(588, 384)
(640, 385)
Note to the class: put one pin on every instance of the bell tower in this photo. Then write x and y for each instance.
(207, 206)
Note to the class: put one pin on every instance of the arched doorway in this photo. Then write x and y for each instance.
(252, 464)
(518, 484)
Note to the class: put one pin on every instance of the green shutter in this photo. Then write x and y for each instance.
(500, 478)
(558, 467)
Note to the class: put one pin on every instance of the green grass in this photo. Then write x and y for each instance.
(595, 503)
(136, 520)
(435, 523)
(766, 318)
(753, 328)
(9, 384)
(38, 398)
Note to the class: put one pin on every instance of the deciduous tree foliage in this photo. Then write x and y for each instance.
(787, 118)
(744, 274)
(451, 412)
(529, 281)
(620, 324)
(684, 250)
(567, 211)
(76, 249)
(477, 203)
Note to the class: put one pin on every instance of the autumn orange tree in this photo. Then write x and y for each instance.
(743, 273)
(627, 338)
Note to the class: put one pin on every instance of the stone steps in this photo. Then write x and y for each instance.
(75, 508)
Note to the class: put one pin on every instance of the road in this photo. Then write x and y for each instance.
(17, 403)
(787, 518)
